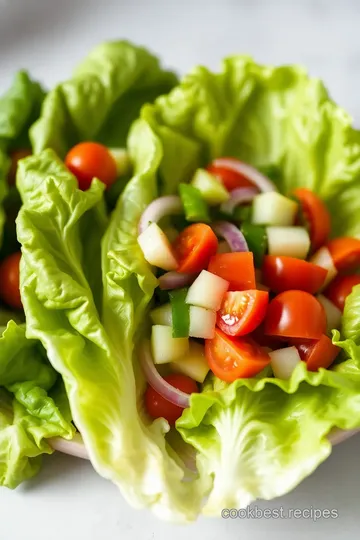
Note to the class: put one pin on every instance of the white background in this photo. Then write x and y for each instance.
(68, 500)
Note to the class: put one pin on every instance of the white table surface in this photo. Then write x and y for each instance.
(68, 500)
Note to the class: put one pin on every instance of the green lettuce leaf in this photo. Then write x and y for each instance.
(102, 99)
(93, 357)
(28, 414)
(19, 108)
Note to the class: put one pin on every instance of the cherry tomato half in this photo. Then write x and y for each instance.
(231, 358)
(194, 247)
(10, 281)
(317, 216)
(237, 268)
(345, 252)
(317, 354)
(88, 160)
(340, 288)
(157, 406)
(282, 273)
(15, 157)
(295, 314)
(230, 178)
(242, 311)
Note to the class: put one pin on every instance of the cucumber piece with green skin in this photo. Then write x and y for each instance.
(162, 315)
(193, 364)
(333, 314)
(179, 313)
(195, 207)
(255, 236)
(157, 248)
(207, 291)
(164, 347)
(211, 189)
(122, 159)
(202, 323)
(288, 241)
(272, 208)
(284, 361)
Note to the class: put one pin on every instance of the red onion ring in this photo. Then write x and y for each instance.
(159, 208)
(337, 436)
(75, 447)
(153, 377)
(258, 179)
(232, 235)
(238, 196)
(175, 280)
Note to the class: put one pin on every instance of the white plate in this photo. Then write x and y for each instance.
(68, 500)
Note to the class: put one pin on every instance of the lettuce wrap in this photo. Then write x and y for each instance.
(254, 438)
(102, 99)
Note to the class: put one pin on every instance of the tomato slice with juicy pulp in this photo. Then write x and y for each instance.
(228, 177)
(231, 358)
(242, 311)
(317, 216)
(345, 252)
(295, 314)
(317, 354)
(194, 247)
(340, 288)
(88, 160)
(157, 406)
(288, 273)
(237, 268)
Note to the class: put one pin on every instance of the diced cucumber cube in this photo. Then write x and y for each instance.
(157, 248)
(211, 189)
(333, 314)
(324, 259)
(272, 208)
(193, 364)
(207, 291)
(202, 322)
(164, 347)
(284, 361)
(162, 315)
(289, 241)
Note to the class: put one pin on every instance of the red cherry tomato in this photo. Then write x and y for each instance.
(231, 358)
(157, 406)
(242, 311)
(317, 354)
(345, 252)
(228, 177)
(237, 268)
(340, 288)
(15, 157)
(295, 314)
(88, 160)
(317, 216)
(263, 340)
(10, 281)
(282, 273)
(194, 247)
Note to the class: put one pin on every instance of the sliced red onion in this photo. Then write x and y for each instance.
(337, 436)
(238, 196)
(153, 377)
(175, 280)
(232, 235)
(252, 174)
(159, 208)
(75, 447)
